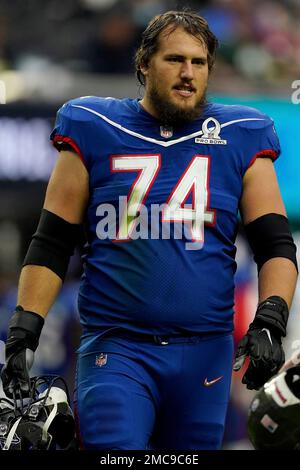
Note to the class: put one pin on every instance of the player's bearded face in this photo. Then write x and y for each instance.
(172, 112)
(176, 79)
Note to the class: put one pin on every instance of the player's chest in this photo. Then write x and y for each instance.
(184, 173)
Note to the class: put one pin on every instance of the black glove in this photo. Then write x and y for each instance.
(262, 343)
(23, 339)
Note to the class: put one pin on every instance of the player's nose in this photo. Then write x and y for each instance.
(187, 70)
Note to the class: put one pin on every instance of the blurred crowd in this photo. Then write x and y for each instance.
(259, 39)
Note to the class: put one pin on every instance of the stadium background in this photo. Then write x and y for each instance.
(84, 47)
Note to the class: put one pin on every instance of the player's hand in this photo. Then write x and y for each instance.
(262, 343)
(15, 373)
(22, 341)
(265, 353)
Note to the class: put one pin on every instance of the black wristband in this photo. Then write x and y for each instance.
(272, 313)
(53, 243)
(30, 323)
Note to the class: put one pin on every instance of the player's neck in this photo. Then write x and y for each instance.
(148, 107)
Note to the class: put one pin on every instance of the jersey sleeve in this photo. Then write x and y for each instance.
(74, 128)
(269, 145)
(258, 139)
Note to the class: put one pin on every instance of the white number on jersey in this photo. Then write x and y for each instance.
(194, 181)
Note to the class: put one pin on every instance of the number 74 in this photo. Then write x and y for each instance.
(194, 180)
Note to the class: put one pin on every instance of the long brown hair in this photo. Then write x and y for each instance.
(191, 22)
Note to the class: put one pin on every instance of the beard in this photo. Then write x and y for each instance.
(171, 114)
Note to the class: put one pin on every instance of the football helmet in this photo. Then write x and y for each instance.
(274, 414)
(44, 421)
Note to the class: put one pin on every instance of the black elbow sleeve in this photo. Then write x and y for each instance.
(53, 243)
(269, 236)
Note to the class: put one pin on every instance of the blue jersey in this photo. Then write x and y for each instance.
(163, 212)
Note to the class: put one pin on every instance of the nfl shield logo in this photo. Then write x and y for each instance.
(166, 131)
(269, 424)
(101, 360)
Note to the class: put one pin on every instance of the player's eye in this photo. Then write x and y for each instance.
(174, 59)
(199, 61)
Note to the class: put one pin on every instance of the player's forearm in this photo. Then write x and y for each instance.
(278, 276)
(38, 289)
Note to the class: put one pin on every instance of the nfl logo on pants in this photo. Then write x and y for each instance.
(101, 360)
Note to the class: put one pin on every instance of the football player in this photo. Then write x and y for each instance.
(158, 183)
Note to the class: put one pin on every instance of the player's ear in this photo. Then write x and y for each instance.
(144, 69)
